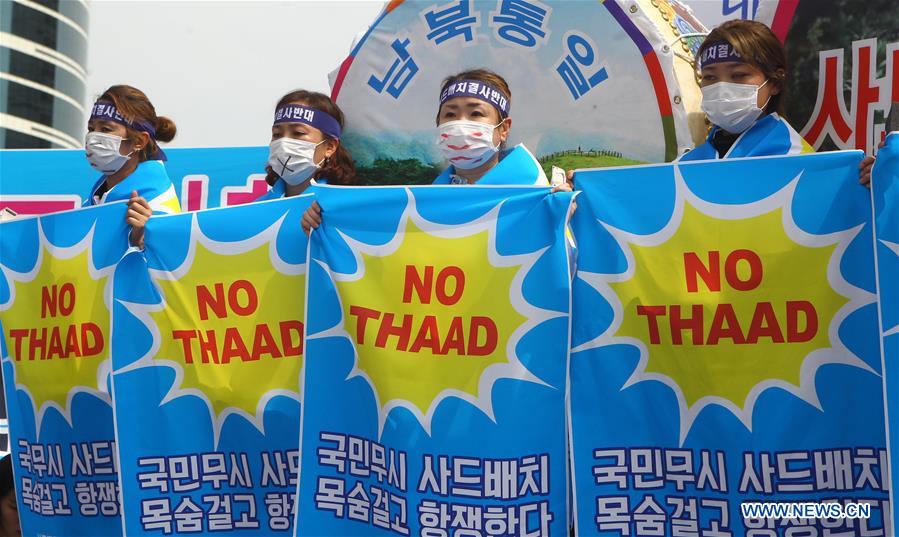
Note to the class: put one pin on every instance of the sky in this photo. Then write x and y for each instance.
(218, 68)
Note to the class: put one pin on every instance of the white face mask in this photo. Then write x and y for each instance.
(102, 152)
(733, 107)
(293, 160)
(466, 144)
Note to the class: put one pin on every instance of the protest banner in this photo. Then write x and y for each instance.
(45, 181)
(885, 195)
(54, 310)
(208, 347)
(436, 363)
(725, 347)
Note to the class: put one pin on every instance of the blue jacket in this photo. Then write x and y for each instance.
(516, 166)
(769, 136)
(151, 182)
(278, 190)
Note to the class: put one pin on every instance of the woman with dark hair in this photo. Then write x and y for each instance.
(744, 70)
(473, 124)
(9, 510)
(306, 145)
(122, 140)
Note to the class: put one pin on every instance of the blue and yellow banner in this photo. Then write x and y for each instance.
(44, 181)
(57, 279)
(436, 363)
(725, 348)
(732, 327)
(885, 193)
(208, 349)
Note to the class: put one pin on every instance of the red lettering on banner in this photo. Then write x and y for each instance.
(679, 323)
(764, 324)
(755, 270)
(242, 305)
(362, 316)
(228, 345)
(478, 337)
(474, 336)
(58, 342)
(691, 322)
(216, 302)
(801, 317)
(57, 301)
(807, 310)
(710, 274)
(423, 285)
(652, 313)
(853, 128)
(255, 187)
(23, 204)
(400, 331)
(725, 325)
(195, 192)
(866, 92)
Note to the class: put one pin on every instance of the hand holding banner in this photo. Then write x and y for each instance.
(885, 195)
(725, 345)
(208, 352)
(54, 309)
(437, 360)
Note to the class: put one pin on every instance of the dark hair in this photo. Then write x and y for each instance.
(482, 75)
(759, 47)
(338, 169)
(133, 104)
(7, 484)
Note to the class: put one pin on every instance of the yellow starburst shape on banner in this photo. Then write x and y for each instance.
(231, 325)
(57, 327)
(757, 305)
(437, 313)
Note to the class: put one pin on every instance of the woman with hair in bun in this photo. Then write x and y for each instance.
(122, 143)
(306, 145)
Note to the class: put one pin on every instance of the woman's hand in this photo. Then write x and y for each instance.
(566, 187)
(312, 218)
(139, 212)
(864, 171)
(562, 187)
(865, 167)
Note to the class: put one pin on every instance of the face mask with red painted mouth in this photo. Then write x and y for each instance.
(466, 144)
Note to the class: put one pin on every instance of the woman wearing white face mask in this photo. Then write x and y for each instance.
(306, 146)
(473, 123)
(744, 69)
(122, 143)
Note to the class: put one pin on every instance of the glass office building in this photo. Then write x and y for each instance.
(43, 55)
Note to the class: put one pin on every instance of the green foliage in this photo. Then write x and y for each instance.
(575, 162)
(408, 171)
(411, 171)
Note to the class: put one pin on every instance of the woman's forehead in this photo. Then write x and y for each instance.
(307, 130)
(464, 102)
(103, 123)
(726, 66)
